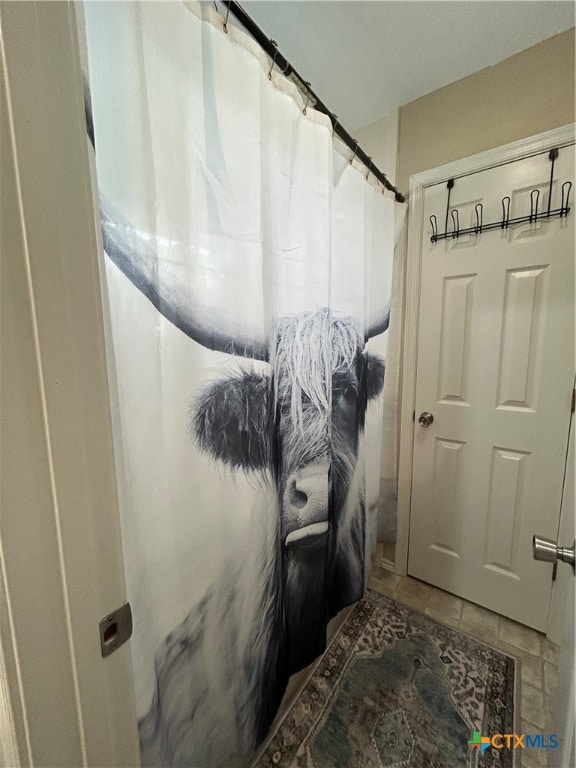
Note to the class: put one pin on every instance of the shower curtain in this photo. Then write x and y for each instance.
(248, 272)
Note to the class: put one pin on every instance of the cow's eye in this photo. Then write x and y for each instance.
(351, 393)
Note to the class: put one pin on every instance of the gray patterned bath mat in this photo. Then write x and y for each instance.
(396, 689)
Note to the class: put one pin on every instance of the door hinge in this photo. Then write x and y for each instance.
(413, 415)
(573, 400)
(115, 629)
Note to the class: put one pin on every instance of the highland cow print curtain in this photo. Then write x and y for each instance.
(248, 271)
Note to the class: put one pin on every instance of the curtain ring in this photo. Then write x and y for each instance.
(335, 123)
(307, 82)
(368, 171)
(355, 150)
(275, 44)
(226, 20)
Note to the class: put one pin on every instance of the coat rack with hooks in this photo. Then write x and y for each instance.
(505, 221)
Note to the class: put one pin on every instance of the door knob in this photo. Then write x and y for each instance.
(550, 552)
(425, 418)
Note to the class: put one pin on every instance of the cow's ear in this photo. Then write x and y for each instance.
(374, 374)
(230, 420)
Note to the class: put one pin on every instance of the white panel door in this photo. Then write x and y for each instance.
(495, 368)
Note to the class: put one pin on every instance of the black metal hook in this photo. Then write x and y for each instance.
(455, 222)
(355, 150)
(307, 83)
(534, 198)
(478, 208)
(505, 211)
(369, 167)
(449, 187)
(225, 22)
(384, 188)
(553, 155)
(434, 225)
(275, 44)
(564, 209)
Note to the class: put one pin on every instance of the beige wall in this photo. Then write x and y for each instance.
(526, 94)
(380, 142)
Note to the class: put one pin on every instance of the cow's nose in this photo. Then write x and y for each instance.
(298, 495)
(307, 490)
(306, 498)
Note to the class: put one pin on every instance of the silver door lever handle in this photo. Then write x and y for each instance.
(547, 550)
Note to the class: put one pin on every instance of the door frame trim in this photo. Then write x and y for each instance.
(60, 541)
(518, 150)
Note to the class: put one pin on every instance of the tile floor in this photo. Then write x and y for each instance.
(538, 656)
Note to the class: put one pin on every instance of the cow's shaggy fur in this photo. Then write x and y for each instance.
(230, 420)
(311, 347)
(217, 681)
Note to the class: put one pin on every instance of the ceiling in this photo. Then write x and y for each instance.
(364, 59)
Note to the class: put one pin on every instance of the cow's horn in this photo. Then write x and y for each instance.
(167, 286)
(378, 325)
(133, 254)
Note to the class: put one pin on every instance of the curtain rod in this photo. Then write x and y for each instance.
(271, 48)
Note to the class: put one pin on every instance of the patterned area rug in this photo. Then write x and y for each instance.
(396, 689)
